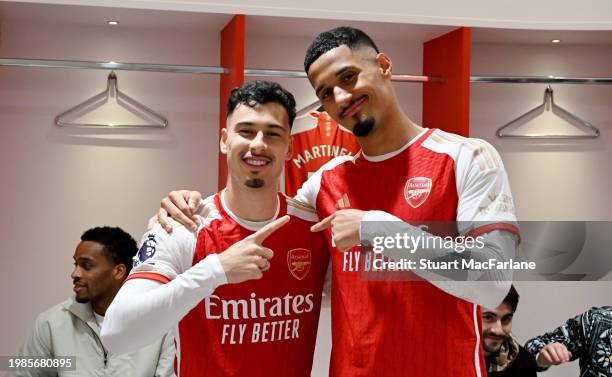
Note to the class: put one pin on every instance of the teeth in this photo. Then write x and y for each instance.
(256, 162)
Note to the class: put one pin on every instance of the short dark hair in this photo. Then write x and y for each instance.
(260, 92)
(119, 246)
(328, 40)
(512, 298)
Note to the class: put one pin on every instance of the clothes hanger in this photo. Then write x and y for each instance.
(112, 93)
(315, 106)
(589, 131)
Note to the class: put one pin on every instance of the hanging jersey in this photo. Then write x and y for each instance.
(316, 139)
(263, 327)
(410, 328)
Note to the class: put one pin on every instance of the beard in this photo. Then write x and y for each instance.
(364, 127)
(81, 300)
(492, 349)
(254, 183)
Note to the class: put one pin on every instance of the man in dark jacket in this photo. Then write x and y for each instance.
(586, 337)
(504, 356)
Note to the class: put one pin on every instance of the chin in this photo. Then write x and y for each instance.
(492, 348)
(254, 183)
(82, 300)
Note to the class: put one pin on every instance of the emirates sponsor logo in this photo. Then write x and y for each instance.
(299, 261)
(254, 307)
(417, 191)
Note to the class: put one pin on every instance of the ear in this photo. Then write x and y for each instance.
(223, 141)
(289, 150)
(120, 272)
(385, 64)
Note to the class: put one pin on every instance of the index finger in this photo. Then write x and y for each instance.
(267, 230)
(322, 225)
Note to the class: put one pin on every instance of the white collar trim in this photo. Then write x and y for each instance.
(389, 155)
(250, 225)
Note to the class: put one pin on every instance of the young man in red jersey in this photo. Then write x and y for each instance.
(245, 237)
(405, 173)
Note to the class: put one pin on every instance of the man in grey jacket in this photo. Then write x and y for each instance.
(102, 261)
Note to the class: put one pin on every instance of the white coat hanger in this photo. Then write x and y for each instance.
(308, 108)
(112, 93)
(588, 130)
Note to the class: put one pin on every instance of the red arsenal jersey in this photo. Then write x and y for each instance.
(263, 327)
(410, 328)
(316, 139)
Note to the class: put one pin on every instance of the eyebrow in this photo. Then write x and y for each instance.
(83, 258)
(338, 73)
(269, 125)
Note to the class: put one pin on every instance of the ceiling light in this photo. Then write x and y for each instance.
(112, 22)
(556, 41)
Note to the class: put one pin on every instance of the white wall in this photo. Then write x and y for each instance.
(551, 180)
(58, 182)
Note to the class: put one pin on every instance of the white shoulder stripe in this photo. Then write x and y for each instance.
(483, 153)
(301, 210)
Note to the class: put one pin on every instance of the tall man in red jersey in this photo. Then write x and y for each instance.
(265, 326)
(406, 173)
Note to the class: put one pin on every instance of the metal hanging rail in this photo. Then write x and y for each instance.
(285, 73)
(274, 73)
(541, 80)
(111, 65)
(177, 68)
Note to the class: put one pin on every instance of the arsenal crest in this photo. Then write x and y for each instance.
(417, 191)
(299, 261)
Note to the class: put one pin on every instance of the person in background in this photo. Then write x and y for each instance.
(586, 337)
(102, 262)
(504, 356)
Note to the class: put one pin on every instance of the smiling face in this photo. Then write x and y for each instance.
(496, 327)
(257, 141)
(353, 86)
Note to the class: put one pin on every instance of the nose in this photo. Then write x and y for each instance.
(496, 328)
(258, 143)
(76, 273)
(341, 96)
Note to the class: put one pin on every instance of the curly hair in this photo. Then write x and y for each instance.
(119, 246)
(328, 40)
(260, 92)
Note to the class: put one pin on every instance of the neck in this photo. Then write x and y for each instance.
(390, 133)
(251, 204)
(100, 305)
